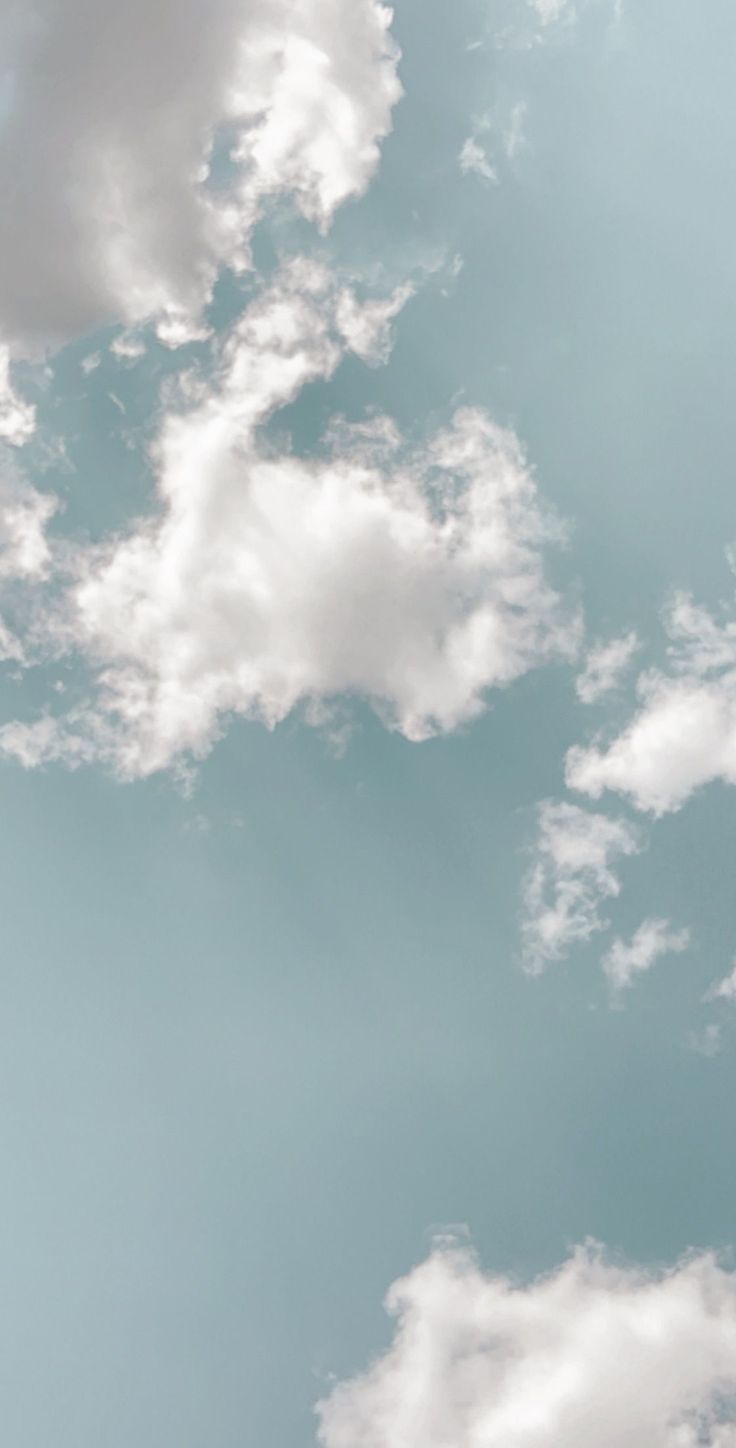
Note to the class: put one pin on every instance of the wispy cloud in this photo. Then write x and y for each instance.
(605, 666)
(653, 939)
(571, 876)
(474, 160)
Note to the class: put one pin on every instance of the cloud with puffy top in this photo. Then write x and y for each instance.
(412, 579)
(117, 204)
(592, 1354)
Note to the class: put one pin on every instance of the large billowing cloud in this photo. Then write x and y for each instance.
(139, 143)
(593, 1356)
(683, 735)
(261, 581)
(413, 579)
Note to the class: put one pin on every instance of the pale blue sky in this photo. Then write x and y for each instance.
(259, 1039)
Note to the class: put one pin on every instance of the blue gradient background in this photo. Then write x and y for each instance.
(256, 1044)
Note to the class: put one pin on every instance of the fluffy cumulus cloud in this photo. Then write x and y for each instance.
(571, 875)
(683, 734)
(139, 144)
(653, 939)
(414, 579)
(593, 1354)
(604, 667)
(260, 581)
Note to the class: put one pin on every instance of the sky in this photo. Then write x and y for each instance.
(367, 724)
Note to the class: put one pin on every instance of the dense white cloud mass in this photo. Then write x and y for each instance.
(267, 580)
(653, 939)
(139, 143)
(604, 667)
(684, 733)
(262, 581)
(593, 1356)
(571, 876)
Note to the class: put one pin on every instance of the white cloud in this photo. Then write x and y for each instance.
(514, 136)
(725, 989)
(551, 10)
(683, 737)
(550, 14)
(594, 1354)
(72, 741)
(11, 648)
(709, 1040)
(653, 939)
(89, 364)
(17, 418)
(475, 156)
(365, 327)
(163, 135)
(25, 557)
(413, 580)
(570, 878)
(605, 666)
(684, 733)
(474, 160)
(24, 513)
(127, 347)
